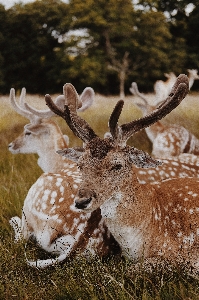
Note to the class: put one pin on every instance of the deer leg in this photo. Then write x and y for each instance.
(15, 223)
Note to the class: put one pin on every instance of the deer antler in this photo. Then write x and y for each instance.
(84, 101)
(134, 90)
(113, 120)
(79, 126)
(46, 113)
(20, 108)
(121, 134)
(178, 93)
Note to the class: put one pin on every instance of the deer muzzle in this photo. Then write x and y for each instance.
(82, 204)
(84, 198)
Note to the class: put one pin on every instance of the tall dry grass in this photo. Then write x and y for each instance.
(78, 279)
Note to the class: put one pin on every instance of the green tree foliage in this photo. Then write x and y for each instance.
(3, 22)
(105, 44)
(32, 33)
(118, 29)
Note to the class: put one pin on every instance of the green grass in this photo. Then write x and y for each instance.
(111, 278)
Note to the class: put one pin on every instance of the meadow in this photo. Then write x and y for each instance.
(110, 278)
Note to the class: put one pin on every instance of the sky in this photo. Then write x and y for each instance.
(10, 3)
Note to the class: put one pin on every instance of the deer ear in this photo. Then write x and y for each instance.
(72, 153)
(143, 160)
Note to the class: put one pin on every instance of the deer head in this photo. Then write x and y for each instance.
(111, 159)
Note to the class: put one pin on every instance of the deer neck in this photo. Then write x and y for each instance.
(128, 215)
(154, 130)
(49, 161)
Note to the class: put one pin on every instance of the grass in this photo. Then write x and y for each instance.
(110, 278)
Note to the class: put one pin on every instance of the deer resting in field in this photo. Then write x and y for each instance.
(163, 88)
(39, 134)
(149, 220)
(42, 135)
(167, 140)
(47, 215)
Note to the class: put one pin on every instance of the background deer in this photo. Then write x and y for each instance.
(167, 140)
(42, 135)
(186, 165)
(163, 88)
(147, 220)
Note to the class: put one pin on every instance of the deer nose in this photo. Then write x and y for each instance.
(84, 198)
(82, 204)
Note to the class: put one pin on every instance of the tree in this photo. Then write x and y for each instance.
(32, 37)
(3, 25)
(135, 43)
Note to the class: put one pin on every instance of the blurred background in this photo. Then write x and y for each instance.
(105, 44)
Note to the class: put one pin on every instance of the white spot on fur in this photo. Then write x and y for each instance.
(61, 189)
(54, 194)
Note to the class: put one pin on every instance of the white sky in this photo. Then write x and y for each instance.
(10, 3)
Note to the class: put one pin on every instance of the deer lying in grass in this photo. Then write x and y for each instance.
(35, 139)
(147, 220)
(42, 135)
(167, 140)
(163, 88)
(47, 215)
(186, 165)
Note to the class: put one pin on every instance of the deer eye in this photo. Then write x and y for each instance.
(116, 167)
(27, 133)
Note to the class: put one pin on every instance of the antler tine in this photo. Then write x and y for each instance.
(84, 101)
(22, 97)
(20, 110)
(47, 113)
(113, 120)
(72, 97)
(79, 126)
(134, 90)
(178, 93)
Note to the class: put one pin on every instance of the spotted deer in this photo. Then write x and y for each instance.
(48, 217)
(42, 135)
(52, 162)
(34, 139)
(167, 140)
(46, 211)
(186, 165)
(149, 220)
(163, 88)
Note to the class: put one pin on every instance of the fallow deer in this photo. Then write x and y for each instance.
(160, 219)
(163, 88)
(42, 135)
(47, 215)
(35, 139)
(167, 140)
